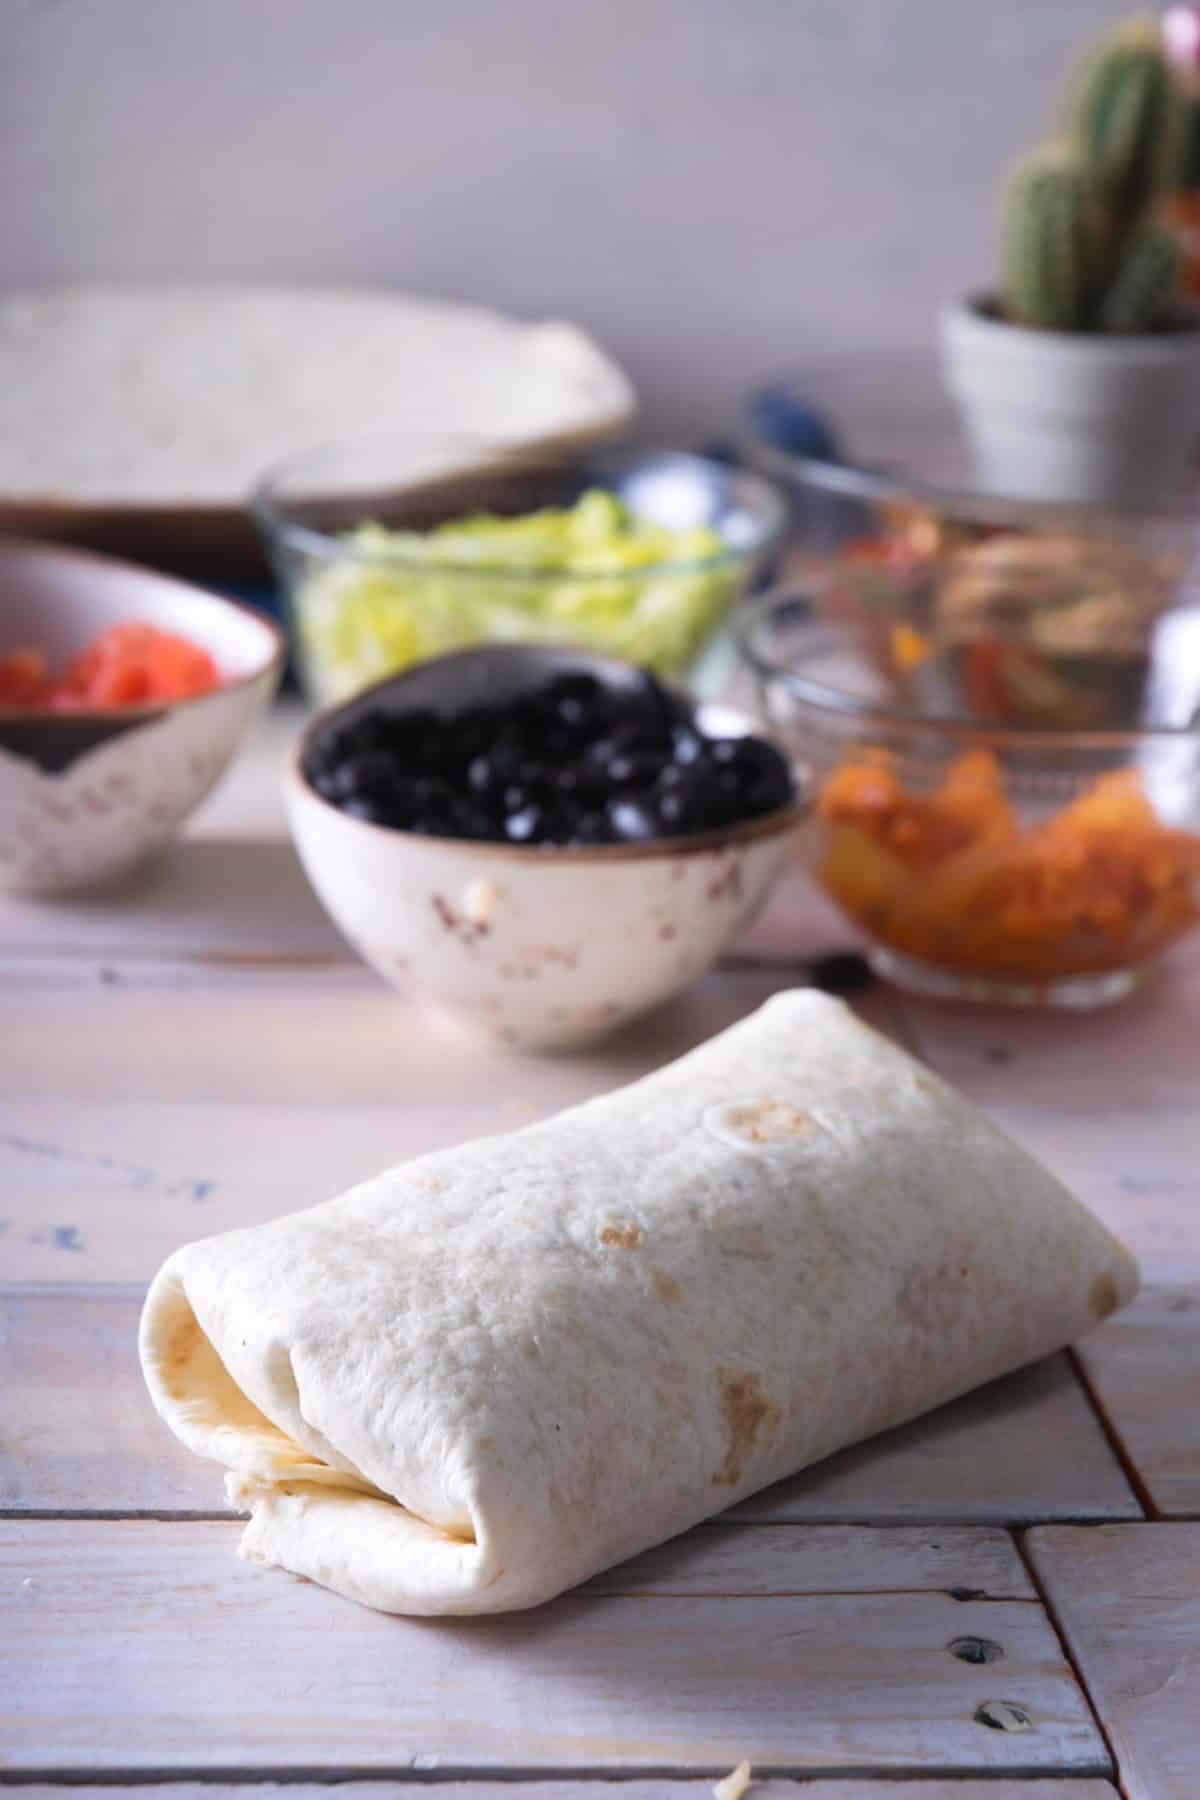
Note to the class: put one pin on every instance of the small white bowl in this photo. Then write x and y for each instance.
(84, 796)
(544, 948)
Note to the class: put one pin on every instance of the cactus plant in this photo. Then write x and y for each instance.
(1081, 250)
(1127, 114)
(1144, 284)
(1052, 239)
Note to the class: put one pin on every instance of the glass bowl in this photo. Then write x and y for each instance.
(370, 591)
(988, 859)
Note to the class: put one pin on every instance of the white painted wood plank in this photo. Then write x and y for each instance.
(1127, 1599)
(1143, 1367)
(268, 1099)
(723, 1558)
(77, 1431)
(357, 1045)
(1141, 1053)
(104, 1192)
(148, 1647)
(209, 898)
(1027, 1447)
(81, 1436)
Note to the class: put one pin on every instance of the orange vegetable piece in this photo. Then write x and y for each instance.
(951, 878)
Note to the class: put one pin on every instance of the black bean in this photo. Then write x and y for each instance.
(687, 746)
(525, 826)
(630, 768)
(680, 810)
(591, 828)
(631, 818)
(374, 772)
(358, 808)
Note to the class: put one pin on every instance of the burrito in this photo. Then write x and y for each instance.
(491, 1372)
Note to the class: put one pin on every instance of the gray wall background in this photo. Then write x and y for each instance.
(714, 187)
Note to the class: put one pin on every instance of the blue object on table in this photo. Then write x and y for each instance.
(781, 417)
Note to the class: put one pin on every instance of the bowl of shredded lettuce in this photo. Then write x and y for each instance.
(392, 553)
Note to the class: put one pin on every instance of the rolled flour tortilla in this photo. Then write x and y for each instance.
(487, 1374)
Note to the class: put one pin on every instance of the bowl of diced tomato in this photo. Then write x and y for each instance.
(982, 855)
(123, 696)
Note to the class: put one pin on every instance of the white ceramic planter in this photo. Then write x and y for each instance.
(1072, 417)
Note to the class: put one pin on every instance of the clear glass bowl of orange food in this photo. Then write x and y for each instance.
(1037, 850)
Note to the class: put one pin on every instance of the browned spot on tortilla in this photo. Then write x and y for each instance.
(624, 1235)
(1103, 1298)
(666, 1287)
(744, 1407)
(182, 1342)
(769, 1121)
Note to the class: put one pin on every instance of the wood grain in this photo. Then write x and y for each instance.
(722, 1558)
(1127, 1599)
(82, 1437)
(211, 1664)
(229, 1105)
(1144, 1369)
(77, 1430)
(1140, 1054)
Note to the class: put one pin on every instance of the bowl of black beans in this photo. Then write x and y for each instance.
(537, 840)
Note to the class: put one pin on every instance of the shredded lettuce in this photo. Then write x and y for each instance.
(590, 574)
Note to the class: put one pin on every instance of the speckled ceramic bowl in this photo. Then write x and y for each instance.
(84, 796)
(544, 948)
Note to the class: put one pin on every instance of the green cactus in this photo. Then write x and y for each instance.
(1081, 250)
(1140, 296)
(1051, 239)
(1127, 113)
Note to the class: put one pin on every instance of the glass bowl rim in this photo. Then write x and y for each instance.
(874, 486)
(271, 517)
(825, 697)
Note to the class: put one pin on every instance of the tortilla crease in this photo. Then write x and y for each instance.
(487, 1374)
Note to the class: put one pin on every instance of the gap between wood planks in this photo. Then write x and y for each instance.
(1112, 1436)
(1056, 1626)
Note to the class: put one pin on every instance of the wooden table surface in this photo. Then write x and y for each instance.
(1001, 1599)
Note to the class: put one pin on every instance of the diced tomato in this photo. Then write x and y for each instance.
(130, 664)
(24, 678)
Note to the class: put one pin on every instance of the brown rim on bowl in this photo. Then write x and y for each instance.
(155, 709)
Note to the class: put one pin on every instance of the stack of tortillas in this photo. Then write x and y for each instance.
(132, 410)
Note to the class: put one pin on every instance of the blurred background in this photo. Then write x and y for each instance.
(712, 189)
